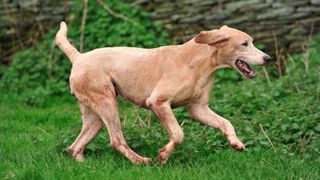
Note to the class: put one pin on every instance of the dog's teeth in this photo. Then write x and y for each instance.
(252, 73)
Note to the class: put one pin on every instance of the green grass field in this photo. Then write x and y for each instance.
(29, 138)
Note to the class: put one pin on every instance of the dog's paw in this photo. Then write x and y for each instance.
(78, 156)
(237, 145)
(163, 157)
(147, 160)
(142, 160)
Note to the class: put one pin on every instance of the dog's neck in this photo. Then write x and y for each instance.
(201, 57)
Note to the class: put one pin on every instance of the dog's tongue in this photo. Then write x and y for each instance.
(250, 72)
(247, 68)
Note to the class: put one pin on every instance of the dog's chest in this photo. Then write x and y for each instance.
(202, 87)
(193, 93)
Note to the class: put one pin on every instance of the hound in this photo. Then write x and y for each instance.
(158, 79)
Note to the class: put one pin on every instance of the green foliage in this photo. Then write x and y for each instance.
(42, 71)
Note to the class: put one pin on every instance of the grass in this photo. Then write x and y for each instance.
(29, 138)
(33, 139)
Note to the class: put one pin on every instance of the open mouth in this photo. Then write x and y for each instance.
(245, 69)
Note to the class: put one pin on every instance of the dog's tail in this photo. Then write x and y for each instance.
(63, 43)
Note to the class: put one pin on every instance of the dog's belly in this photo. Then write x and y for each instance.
(137, 99)
(139, 91)
(134, 89)
(138, 88)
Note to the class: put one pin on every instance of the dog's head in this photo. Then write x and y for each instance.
(234, 49)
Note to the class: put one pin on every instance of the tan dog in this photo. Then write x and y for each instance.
(157, 79)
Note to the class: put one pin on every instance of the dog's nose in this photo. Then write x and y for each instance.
(267, 59)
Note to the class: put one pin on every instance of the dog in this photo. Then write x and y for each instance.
(158, 79)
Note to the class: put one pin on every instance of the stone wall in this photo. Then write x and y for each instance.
(290, 20)
(24, 22)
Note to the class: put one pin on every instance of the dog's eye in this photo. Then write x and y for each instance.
(245, 44)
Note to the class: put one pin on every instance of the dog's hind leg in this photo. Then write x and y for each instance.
(101, 98)
(108, 111)
(91, 126)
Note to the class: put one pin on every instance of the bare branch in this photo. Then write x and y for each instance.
(266, 75)
(110, 11)
(265, 134)
(83, 24)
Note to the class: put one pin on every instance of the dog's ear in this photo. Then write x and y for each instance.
(224, 27)
(212, 38)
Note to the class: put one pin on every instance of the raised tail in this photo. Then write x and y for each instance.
(63, 43)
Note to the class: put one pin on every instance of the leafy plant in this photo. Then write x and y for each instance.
(42, 71)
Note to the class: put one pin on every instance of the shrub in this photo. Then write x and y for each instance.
(43, 71)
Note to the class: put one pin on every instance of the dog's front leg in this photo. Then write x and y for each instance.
(205, 115)
(166, 117)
